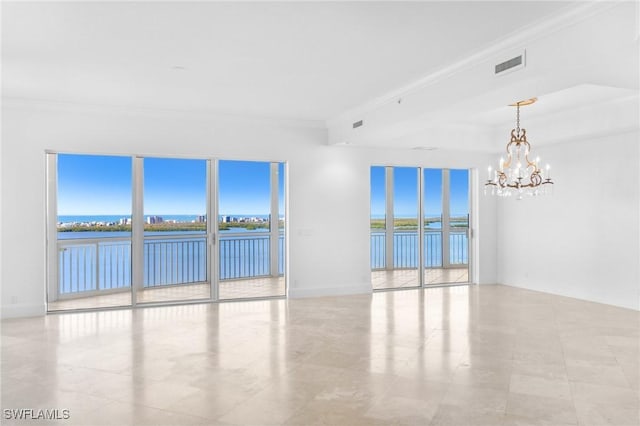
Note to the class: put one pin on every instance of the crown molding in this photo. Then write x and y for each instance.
(569, 16)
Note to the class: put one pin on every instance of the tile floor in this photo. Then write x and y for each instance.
(466, 355)
(255, 287)
(232, 289)
(402, 278)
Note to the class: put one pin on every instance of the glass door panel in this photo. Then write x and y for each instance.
(432, 199)
(405, 228)
(91, 254)
(446, 226)
(432, 210)
(395, 240)
(251, 228)
(175, 245)
(458, 226)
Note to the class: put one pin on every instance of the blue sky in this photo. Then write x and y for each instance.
(175, 186)
(459, 186)
(405, 189)
(244, 188)
(94, 185)
(101, 185)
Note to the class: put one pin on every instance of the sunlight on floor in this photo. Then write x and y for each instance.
(400, 278)
(232, 289)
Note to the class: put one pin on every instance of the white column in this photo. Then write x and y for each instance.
(52, 227)
(137, 228)
(389, 218)
(445, 218)
(471, 238)
(274, 222)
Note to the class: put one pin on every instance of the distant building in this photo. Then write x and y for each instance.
(226, 219)
(201, 219)
(124, 221)
(154, 219)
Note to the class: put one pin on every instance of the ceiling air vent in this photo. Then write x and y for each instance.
(357, 124)
(512, 64)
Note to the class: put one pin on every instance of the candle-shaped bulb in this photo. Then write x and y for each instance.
(489, 173)
(501, 164)
(548, 171)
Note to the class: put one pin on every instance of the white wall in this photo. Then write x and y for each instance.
(329, 188)
(584, 241)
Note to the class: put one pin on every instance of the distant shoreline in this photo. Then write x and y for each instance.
(403, 223)
(162, 227)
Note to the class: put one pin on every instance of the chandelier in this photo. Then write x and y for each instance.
(518, 175)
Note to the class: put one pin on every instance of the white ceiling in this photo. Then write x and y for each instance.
(311, 61)
(582, 63)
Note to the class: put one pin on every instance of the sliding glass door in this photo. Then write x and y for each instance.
(89, 231)
(406, 242)
(395, 240)
(458, 261)
(175, 247)
(126, 231)
(419, 226)
(251, 229)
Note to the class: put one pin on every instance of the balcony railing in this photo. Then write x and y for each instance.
(247, 255)
(87, 266)
(244, 256)
(405, 249)
(99, 265)
(458, 247)
(176, 260)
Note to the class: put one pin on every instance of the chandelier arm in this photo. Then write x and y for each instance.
(536, 180)
(516, 186)
(507, 163)
(526, 157)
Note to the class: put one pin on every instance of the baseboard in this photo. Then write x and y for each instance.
(299, 293)
(22, 310)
